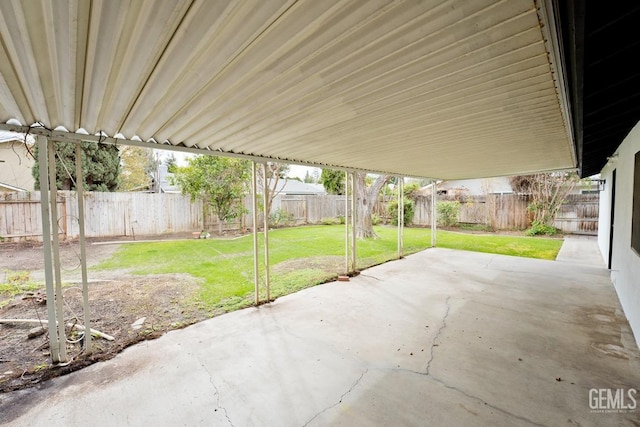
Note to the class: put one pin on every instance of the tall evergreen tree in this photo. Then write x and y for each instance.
(100, 166)
(333, 181)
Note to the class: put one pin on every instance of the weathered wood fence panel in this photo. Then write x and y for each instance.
(106, 214)
(579, 215)
(310, 209)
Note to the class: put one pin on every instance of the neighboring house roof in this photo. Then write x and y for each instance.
(476, 187)
(7, 187)
(15, 162)
(496, 185)
(295, 187)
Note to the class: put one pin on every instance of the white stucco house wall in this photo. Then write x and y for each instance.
(15, 162)
(615, 225)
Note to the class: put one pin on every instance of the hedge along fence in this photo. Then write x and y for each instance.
(131, 214)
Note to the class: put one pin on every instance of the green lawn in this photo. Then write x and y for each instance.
(300, 257)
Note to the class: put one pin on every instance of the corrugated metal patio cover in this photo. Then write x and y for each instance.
(446, 89)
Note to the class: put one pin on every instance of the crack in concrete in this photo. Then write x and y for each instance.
(464, 393)
(437, 335)
(488, 264)
(340, 400)
(470, 396)
(217, 393)
(427, 373)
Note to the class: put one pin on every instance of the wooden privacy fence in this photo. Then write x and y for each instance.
(301, 210)
(578, 215)
(106, 214)
(310, 209)
(500, 211)
(131, 214)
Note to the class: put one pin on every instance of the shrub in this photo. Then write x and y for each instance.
(375, 219)
(281, 218)
(329, 221)
(448, 212)
(409, 206)
(538, 228)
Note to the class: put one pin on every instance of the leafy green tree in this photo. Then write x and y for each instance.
(171, 162)
(333, 181)
(220, 182)
(137, 167)
(100, 166)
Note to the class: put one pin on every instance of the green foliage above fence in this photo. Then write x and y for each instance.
(409, 207)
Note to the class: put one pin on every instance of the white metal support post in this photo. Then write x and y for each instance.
(53, 203)
(346, 222)
(83, 250)
(43, 164)
(400, 216)
(434, 212)
(265, 190)
(354, 213)
(254, 212)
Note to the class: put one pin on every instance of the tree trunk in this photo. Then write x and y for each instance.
(365, 200)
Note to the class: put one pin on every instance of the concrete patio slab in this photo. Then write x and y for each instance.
(440, 338)
(581, 250)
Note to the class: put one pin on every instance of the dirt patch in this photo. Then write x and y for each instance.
(330, 264)
(158, 302)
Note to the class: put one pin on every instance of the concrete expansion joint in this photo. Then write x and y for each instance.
(437, 335)
(353, 386)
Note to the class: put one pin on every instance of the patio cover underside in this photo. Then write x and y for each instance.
(442, 89)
